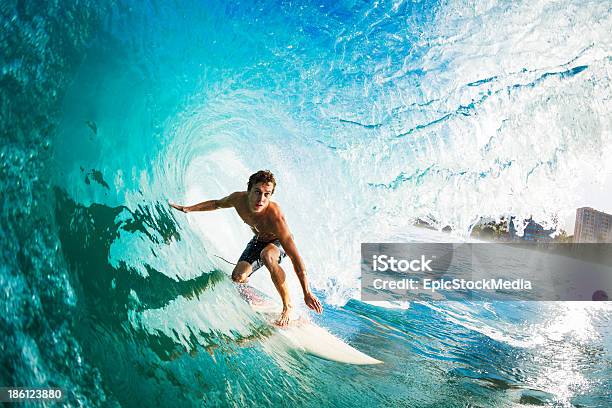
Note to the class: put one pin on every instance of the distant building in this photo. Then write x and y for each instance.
(535, 232)
(532, 231)
(512, 230)
(592, 226)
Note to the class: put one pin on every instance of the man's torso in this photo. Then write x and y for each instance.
(262, 225)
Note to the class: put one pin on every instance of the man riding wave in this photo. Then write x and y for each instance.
(271, 234)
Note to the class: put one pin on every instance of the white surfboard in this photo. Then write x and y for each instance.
(305, 335)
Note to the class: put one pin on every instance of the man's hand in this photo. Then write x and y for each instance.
(312, 302)
(182, 208)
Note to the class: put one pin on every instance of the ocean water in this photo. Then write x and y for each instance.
(371, 115)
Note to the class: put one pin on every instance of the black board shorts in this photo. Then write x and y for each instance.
(252, 252)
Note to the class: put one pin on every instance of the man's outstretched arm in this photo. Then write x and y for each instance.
(286, 240)
(210, 205)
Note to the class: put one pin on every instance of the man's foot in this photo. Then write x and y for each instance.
(283, 320)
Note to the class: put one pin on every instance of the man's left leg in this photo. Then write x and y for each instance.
(270, 256)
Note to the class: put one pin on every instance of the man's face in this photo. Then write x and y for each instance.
(259, 196)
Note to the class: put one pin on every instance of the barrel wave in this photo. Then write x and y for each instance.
(372, 115)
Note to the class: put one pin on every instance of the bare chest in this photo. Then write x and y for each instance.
(261, 226)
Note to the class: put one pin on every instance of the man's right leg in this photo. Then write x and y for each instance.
(270, 257)
(241, 272)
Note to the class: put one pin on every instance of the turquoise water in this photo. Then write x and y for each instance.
(370, 114)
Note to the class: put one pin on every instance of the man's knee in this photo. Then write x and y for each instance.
(239, 277)
(240, 274)
(269, 256)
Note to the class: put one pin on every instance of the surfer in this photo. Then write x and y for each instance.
(271, 233)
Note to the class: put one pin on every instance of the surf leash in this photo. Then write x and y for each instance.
(220, 257)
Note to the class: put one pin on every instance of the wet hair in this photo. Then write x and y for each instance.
(262, 176)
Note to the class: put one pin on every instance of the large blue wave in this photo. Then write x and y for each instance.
(372, 115)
